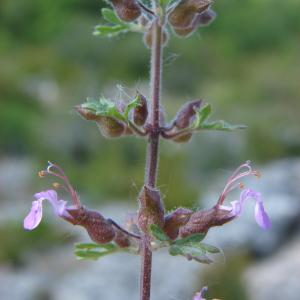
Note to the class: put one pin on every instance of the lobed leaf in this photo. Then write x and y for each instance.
(109, 31)
(190, 252)
(131, 105)
(209, 248)
(202, 115)
(110, 16)
(94, 251)
(103, 107)
(194, 238)
(94, 255)
(158, 233)
(222, 125)
(87, 246)
(175, 250)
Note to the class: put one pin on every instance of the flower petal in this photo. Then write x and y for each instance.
(59, 206)
(200, 295)
(261, 216)
(236, 208)
(34, 217)
(248, 194)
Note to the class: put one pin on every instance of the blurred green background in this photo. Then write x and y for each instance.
(246, 64)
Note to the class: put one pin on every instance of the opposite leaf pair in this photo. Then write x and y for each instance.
(116, 119)
(181, 230)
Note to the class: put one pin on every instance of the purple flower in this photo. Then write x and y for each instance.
(60, 207)
(261, 217)
(200, 295)
(35, 214)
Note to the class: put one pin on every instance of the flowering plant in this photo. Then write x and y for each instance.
(182, 230)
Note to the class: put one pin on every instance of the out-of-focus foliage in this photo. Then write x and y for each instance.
(244, 64)
(226, 280)
(16, 246)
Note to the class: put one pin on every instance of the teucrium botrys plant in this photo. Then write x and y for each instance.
(183, 230)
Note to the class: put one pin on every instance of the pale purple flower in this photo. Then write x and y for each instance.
(236, 208)
(261, 217)
(200, 295)
(35, 214)
(60, 207)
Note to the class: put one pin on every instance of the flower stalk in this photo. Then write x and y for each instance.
(181, 230)
(152, 149)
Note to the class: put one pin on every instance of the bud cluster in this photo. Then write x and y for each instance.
(127, 10)
(180, 131)
(118, 119)
(151, 210)
(100, 230)
(188, 15)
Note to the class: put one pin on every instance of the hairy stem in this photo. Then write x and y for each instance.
(153, 142)
(152, 150)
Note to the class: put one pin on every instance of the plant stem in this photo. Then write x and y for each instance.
(152, 150)
(153, 142)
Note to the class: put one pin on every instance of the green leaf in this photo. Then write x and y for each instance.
(131, 105)
(110, 16)
(202, 115)
(109, 31)
(175, 250)
(90, 104)
(191, 253)
(194, 238)
(209, 248)
(91, 100)
(94, 251)
(103, 107)
(163, 3)
(158, 233)
(87, 246)
(221, 125)
(94, 255)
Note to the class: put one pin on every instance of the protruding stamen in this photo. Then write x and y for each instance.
(247, 165)
(237, 175)
(42, 173)
(56, 185)
(61, 175)
(257, 174)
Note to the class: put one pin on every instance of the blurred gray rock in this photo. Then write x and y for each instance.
(15, 177)
(277, 277)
